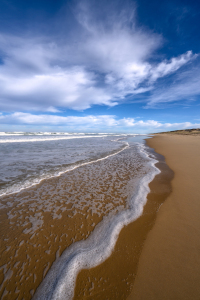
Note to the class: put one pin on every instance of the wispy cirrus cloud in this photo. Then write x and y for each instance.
(100, 63)
(184, 88)
(167, 67)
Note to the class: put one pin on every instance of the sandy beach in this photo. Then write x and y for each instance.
(155, 257)
(169, 265)
(99, 150)
(114, 278)
(39, 223)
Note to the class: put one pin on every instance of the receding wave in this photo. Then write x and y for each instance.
(15, 188)
(60, 280)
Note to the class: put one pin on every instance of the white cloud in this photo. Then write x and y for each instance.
(166, 68)
(93, 123)
(27, 118)
(101, 63)
(52, 109)
(186, 87)
(73, 88)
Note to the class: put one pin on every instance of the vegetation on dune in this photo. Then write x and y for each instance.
(193, 131)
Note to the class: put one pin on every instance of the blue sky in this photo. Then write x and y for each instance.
(99, 66)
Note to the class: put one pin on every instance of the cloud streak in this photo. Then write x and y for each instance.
(93, 123)
(101, 63)
(185, 88)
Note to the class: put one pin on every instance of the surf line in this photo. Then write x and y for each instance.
(39, 180)
(49, 139)
(60, 280)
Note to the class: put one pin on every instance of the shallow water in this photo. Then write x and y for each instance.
(27, 159)
(108, 188)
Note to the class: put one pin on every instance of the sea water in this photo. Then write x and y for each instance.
(29, 159)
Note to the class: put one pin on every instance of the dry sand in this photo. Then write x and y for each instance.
(169, 266)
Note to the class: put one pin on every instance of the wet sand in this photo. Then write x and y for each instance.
(114, 278)
(169, 265)
(39, 223)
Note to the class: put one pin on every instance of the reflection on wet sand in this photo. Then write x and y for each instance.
(39, 223)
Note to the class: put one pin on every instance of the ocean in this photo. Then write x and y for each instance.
(64, 200)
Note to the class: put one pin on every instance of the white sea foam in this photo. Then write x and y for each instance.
(47, 138)
(43, 138)
(15, 133)
(64, 134)
(27, 184)
(60, 281)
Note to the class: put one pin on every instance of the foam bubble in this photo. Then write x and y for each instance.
(18, 187)
(47, 138)
(60, 281)
(25, 137)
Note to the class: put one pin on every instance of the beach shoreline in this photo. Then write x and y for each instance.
(169, 265)
(132, 266)
(114, 278)
(39, 223)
